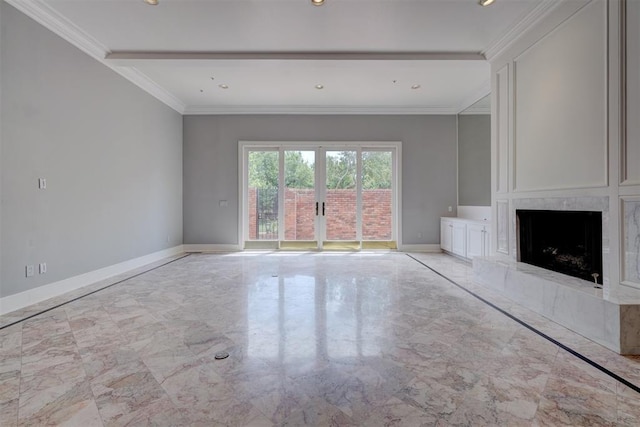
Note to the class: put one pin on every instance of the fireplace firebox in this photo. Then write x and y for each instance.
(568, 242)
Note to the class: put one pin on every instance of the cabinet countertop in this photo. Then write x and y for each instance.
(467, 220)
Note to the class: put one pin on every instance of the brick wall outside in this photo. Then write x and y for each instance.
(300, 214)
(376, 215)
(340, 211)
(341, 214)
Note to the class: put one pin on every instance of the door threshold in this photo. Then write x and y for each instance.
(299, 245)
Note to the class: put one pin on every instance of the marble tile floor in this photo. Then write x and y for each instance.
(364, 339)
(31, 310)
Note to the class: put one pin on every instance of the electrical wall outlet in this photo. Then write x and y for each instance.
(30, 270)
(42, 267)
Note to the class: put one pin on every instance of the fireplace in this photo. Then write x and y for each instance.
(569, 242)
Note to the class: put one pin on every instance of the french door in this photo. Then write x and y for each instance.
(319, 196)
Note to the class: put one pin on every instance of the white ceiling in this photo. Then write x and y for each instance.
(271, 53)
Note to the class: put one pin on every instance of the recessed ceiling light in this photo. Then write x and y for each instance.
(319, 87)
(486, 2)
(317, 2)
(152, 2)
(415, 87)
(223, 86)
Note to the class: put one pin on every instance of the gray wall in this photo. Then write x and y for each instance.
(111, 154)
(474, 160)
(211, 166)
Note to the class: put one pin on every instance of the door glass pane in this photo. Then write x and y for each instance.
(340, 200)
(376, 195)
(299, 195)
(263, 195)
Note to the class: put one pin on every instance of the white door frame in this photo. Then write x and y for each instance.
(322, 146)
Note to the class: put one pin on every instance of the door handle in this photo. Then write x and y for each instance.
(322, 208)
(316, 208)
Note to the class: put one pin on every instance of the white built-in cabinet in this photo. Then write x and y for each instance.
(464, 237)
(446, 235)
(477, 240)
(459, 238)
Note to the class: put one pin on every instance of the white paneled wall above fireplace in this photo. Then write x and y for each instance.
(630, 148)
(560, 82)
(565, 136)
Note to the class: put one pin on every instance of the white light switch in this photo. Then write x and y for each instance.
(42, 183)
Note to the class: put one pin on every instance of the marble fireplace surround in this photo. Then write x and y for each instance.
(595, 204)
(605, 316)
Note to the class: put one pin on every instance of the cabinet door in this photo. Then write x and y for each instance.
(487, 241)
(459, 239)
(475, 240)
(446, 235)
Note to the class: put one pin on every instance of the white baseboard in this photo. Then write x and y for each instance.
(33, 296)
(420, 248)
(212, 248)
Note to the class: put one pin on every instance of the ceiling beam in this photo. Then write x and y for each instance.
(130, 58)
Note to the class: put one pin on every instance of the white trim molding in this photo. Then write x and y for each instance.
(124, 63)
(421, 248)
(136, 58)
(532, 19)
(195, 248)
(45, 15)
(316, 109)
(483, 90)
(502, 224)
(630, 241)
(41, 12)
(33, 296)
(141, 80)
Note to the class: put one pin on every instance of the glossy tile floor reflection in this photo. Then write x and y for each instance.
(371, 339)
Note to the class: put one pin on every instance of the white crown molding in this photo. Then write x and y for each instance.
(529, 21)
(312, 109)
(145, 83)
(483, 90)
(46, 16)
(476, 111)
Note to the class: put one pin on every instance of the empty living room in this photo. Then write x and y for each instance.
(319, 212)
